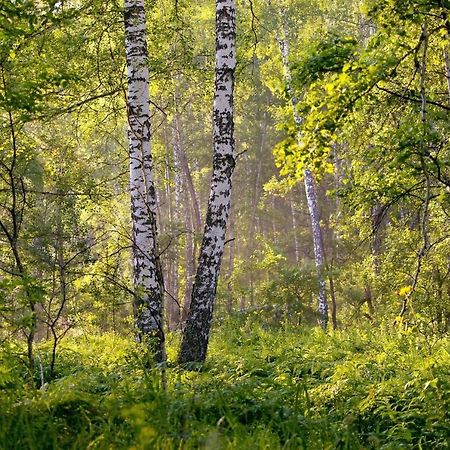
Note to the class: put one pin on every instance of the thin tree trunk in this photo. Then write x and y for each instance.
(254, 214)
(331, 241)
(167, 263)
(424, 222)
(333, 302)
(191, 188)
(377, 220)
(319, 251)
(174, 303)
(61, 265)
(196, 335)
(184, 164)
(192, 218)
(15, 209)
(311, 195)
(190, 259)
(148, 279)
(232, 248)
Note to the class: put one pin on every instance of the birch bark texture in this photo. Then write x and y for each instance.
(147, 273)
(196, 334)
(310, 189)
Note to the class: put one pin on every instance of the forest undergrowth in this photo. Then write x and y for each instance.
(260, 388)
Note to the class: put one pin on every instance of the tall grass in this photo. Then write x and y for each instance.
(260, 388)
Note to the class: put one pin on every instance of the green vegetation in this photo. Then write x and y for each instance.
(261, 388)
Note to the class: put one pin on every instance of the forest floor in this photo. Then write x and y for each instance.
(260, 388)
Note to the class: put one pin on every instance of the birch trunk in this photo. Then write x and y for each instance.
(319, 251)
(196, 335)
(147, 274)
(311, 195)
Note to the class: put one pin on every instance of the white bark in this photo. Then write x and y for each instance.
(310, 188)
(319, 251)
(195, 338)
(148, 283)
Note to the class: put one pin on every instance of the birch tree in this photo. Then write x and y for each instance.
(148, 280)
(196, 334)
(310, 188)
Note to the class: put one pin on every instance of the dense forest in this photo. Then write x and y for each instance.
(224, 224)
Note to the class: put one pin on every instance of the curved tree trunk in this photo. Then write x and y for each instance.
(196, 334)
(148, 280)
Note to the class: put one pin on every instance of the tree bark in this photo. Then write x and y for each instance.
(192, 218)
(191, 189)
(174, 301)
(148, 279)
(319, 251)
(232, 248)
(184, 164)
(254, 215)
(311, 195)
(196, 334)
(190, 259)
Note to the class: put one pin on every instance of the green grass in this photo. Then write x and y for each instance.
(286, 388)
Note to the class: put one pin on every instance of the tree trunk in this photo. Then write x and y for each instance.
(174, 301)
(319, 251)
(196, 335)
(377, 216)
(167, 262)
(190, 259)
(192, 220)
(191, 189)
(232, 244)
(148, 280)
(311, 196)
(333, 302)
(254, 214)
(184, 164)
